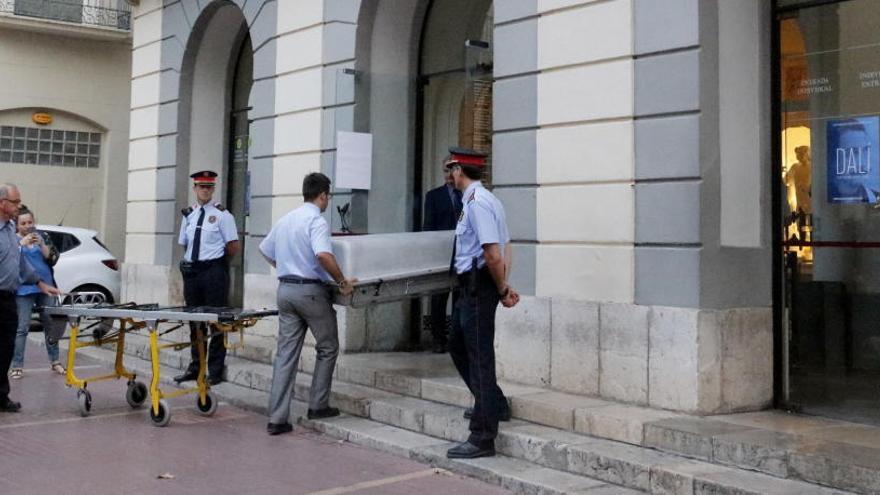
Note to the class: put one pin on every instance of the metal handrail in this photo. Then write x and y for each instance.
(114, 14)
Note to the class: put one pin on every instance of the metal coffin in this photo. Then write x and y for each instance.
(391, 267)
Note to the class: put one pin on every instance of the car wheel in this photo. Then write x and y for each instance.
(108, 298)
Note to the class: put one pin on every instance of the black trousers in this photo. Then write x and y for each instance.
(8, 326)
(207, 284)
(438, 316)
(472, 348)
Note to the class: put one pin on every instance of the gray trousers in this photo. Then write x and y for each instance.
(301, 307)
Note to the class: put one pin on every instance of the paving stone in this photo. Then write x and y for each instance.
(539, 480)
(253, 375)
(615, 463)
(402, 412)
(851, 433)
(259, 349)
(762, 450)
(514, 474)
(399, 383)
(737, 482)
(551, 408)
(841, 465)
(387, 361)
(688, 436)
(353, 399)
(377, 436)
(446, 422)
(607, 490)
(781, 421)
(539, 444)
(619, 422)
(678, 478)
(356, 375)
(448, 390)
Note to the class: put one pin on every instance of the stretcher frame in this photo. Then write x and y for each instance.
(83, 309)
(397, 287)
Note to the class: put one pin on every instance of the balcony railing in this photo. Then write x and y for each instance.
(114, 14)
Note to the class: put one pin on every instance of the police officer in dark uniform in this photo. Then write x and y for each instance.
(210, 237)
(442, 208)
(482, 261)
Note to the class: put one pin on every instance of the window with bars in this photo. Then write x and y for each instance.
(36, 146)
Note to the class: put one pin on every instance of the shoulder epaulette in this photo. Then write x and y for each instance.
(472, 196)
(219, 207)
(186, 211)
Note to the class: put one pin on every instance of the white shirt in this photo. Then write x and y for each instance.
(482, 221)
(218, 229)
(295, 241)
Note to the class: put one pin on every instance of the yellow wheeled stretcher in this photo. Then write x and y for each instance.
(111, 323)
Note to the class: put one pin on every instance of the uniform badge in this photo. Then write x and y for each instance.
(212, 219)
(460, 215)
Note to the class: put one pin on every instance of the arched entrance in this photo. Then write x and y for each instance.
(454, 86)
(413, 72)
(213, 121)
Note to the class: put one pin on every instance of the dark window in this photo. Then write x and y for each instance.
(63, 241)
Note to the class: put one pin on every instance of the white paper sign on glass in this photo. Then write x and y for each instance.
(354, 160)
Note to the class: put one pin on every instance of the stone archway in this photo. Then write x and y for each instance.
(178, 47)
(218, 47)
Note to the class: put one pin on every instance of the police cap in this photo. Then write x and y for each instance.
(465, 157)
(204, 177)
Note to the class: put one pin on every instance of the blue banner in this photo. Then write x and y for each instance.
(853, 160)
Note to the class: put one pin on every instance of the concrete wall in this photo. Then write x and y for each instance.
(85, 85)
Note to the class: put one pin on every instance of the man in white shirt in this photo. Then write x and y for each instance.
(298, 246)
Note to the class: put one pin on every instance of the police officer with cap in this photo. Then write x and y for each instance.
(209, 235)
(481, 259)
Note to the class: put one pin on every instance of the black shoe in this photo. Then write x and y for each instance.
(327, 412)
(10, 406)
(186, 376)
(505, 415)
(438, 348)
(214, 380)
(278, 429)
(468, 450)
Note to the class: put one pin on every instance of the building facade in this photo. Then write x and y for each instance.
(633, 142)
(64, 110)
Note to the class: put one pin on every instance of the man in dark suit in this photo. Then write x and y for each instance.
(442, 208)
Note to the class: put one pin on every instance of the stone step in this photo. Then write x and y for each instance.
(818, 450)
(540, 447)
(517, 475)
(614, 462)
(717, 440)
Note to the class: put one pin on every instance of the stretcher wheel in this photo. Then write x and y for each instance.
(84, 400)
(164, 416)
(209, 407)
(136, 394)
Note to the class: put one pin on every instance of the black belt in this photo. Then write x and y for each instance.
(471, 276)
(206, 263)
(293, 279)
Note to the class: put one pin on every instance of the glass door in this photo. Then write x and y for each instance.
(829, 94)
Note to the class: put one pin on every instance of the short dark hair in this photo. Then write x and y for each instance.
(24, 210)
(472, 173)
(314, 184)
